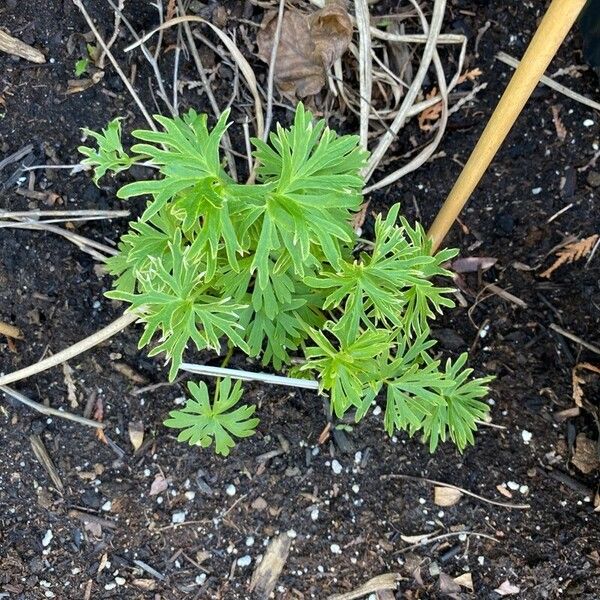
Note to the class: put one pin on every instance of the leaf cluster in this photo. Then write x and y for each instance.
(276, 270)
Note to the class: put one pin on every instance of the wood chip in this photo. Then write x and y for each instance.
(387, 581)
(70, 383)
(12, 45)
(10, 331)
(465, 580)
(446, 496)
(585, 457)
(136, 434)
(267, 572)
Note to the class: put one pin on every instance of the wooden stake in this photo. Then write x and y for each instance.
(553, 29)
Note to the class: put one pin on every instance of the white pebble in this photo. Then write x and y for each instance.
(422, 501)
(190, 495)
(106, 507)
(178, 517)
(513, 485)
(524, 489)
(588, 123)
(110, 586)
(377, 410)
(536, 191)
(481, 560)
(292, 533)
(335, 549)
(200, 579)
(358, 457)
(314, 514)
(47, 538)
(336, 467)
(244, 561)
(250, 540)
(355, 488)
(230, 490)
(120, 580)
(462, 537)
(526, 435)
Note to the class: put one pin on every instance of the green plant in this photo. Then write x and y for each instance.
(276, 270)
(81, 66)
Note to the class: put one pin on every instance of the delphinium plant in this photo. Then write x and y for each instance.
(275, 270)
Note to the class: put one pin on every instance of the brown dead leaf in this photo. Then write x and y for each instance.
(70, 383)
(571, 252)
(446, 496)
(577, 380)
(136, 434)
(447, 585)
(561, 130)
(159, 485)
(472, 264)
(431, 114)
(146, 585)
(585, 457)
(309, 45)
(359, 218)
(465, 580)
(75, 86)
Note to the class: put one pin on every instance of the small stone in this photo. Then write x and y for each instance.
(524, 489)
(106, 507)
(336, 467)
(259, 504)
(434, 569)
(588, 123)
(536, 191)
(335, 549)
(178, 517)
(292, 533)
(481, 560)
(120, 580)
(358, 457)
(47, 538)
(200, 579)
(377, 410)
(230, 490)
(110, 586)
(190, 495)
(356, 488)
(526, 435)
(244, 561)
(314, 514)
(513, 485)
(250, 540)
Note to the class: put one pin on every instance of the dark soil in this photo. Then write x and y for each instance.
(54, 294)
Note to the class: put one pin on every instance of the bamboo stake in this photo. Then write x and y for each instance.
(550, 34)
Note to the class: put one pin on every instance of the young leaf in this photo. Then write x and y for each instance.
(203, 423)
(110, 155)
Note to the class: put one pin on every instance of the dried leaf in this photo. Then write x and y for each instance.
(10, 331)
(75, 86)
(507, 589)
(70, 383)
(465, 580)
(448, 585)
(94, 528)
(597, 502)
(136, 434)
(571, 252)
(585, 457)
(446, 496)
(577, 380)
(472, 264)
(308, 46)
(415, 539)
(561, 130)
(431, 114)
(471, 75)
(359, 218)
(146, 585)
(504, 491)
(159, 485)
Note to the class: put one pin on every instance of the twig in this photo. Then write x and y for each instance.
(113, 37)
(271, 78)
(85, 244)
(411, 94)
(12, 45)
(591, 256)
(365, 68)
(574, 338)
(42, 455)
(34, 214)
(454, 487)
(47, 410)
(72, 351)
(561, 89)
(239, 58)
(115, 64)
(249, 376)
(444, 536)
(16, 156)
